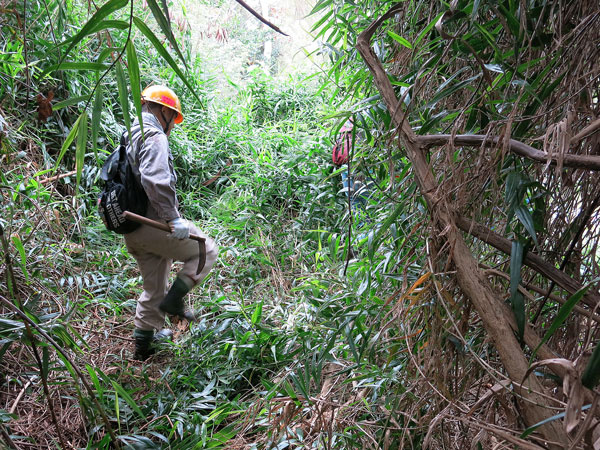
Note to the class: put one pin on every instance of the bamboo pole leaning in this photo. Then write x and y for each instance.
(470, 278)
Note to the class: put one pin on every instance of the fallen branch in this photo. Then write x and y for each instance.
(259, 17)
(57, 177)
(13, 408)
(532, 260)
(519, 148)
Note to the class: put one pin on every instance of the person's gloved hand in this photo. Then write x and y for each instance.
(180, 228)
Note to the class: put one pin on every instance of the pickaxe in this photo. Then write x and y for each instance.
(163, 226)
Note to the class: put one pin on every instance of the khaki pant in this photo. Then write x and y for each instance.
(154, 250)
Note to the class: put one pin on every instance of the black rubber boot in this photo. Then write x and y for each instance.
(143, 344)
(145, 341)
(173, 301)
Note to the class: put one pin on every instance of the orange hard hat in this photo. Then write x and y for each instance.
(163, 96)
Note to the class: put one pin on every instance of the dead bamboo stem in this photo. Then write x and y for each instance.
(587, 162)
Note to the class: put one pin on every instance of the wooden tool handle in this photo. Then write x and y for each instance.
(153, 223)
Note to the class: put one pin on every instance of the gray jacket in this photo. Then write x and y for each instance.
(152, 164)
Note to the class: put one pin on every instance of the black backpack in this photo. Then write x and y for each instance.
(121, 192)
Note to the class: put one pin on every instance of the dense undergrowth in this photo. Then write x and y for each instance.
(280, 323)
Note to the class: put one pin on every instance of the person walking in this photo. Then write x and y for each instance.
(155, 250)
(352, 184)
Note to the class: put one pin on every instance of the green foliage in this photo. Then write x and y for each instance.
(516, 298)
(563, 315)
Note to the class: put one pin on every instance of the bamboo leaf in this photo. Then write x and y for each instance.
(563, 314)
(95, 379)
(352, 345)
(452, 89)
(74, 66)
(320, 5)
(90, 26)
(82, 135)
(386, 224)
(165, 55)
(591, 374)
(526, 219)
(322, 20)
(125, 395)
(165, 26)
(68, 141)
(399, 39)
(428, 28)
(257, 314)
(111, 24)
(511, 20)
(123, 96)
(513, 193)
(103, 25)
(107, 52)
(516, 298)
(475, 9)
(23, 255)
(323, 31)
(532, 428)
(299, 383)
(19, 246)
(134, 79)
(96, 118)
(491, 40)
(117, 409)
(70, 102)
(165, 10)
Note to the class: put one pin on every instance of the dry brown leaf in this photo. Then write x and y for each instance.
(561, 362)
(572, 388)
(44, 106)
(574, 403)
